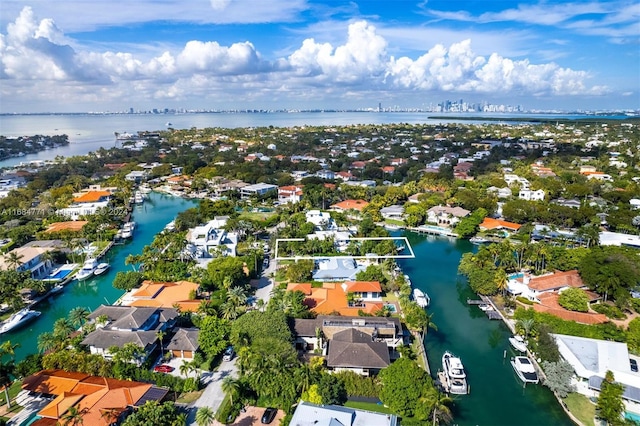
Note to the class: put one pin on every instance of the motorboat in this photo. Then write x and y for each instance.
(421, 298)
(485, 307)
(454, 374)
(17, 319)
(88, 269)
(478, 240)
(171, 226)
(101, 268)
(518, 343)
(127, 230)
(524, 369)
(56, 289)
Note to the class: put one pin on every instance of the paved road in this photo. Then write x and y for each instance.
(213, 395)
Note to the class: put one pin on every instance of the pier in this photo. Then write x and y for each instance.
(486, 306)
(434, 230)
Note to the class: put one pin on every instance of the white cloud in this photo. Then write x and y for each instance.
(41, 62)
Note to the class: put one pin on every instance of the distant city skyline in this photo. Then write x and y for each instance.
(100, 55)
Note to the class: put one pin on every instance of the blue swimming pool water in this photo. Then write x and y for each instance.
(60, 274)
(632, 416)
(516, 276)
(391, 306)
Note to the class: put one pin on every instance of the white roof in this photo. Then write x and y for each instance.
(619, 239)
(308, 414)
(593, 357)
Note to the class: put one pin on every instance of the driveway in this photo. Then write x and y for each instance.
(213, 395)
(264, 284)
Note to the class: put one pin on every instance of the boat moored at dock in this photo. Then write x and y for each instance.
(17, 319)
(524, 368)
(101, 268)
(88, 269)
(517, 342)
(421, 298)
(455, 378)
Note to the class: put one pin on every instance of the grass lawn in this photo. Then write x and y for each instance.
(394, 222)
(581, 408)
(369, 406)
(14, 390)
(189, 397)
(257, 216)
(390, 297)
(417, 348)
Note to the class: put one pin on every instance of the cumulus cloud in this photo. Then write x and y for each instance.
(34, 52)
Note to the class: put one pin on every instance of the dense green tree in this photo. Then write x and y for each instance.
(610, 406)
(256, 324)
(226, 267)
(611, 271)
(300, 271)
(127, 280)
(332, 389)
(574, 299)
(547, 348)
(403, 382)
(468, 226)
(559, 375)
(155, 413)
(214, 335)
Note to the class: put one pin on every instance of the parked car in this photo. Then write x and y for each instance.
(228, 354)
(634, 365)
(269, 415)
(163, 368)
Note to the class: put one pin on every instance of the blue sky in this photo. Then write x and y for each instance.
(109, 55)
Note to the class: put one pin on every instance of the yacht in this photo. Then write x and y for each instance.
(421, 298)
(127, 230)
(518, 343)
(88, 269)
(478, 240)
(101, 268)
(454, 374)
(524, 369)
(18, 319)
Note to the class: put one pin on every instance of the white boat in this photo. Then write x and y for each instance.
(18, 319)
(478, 240)
(56, 289)
(518, 343)
(171, 226)
(144, 189)
(524, 369)
(127, 230)
(88, 269)
(101, 268)
(485, 308)
(421, 298)
(455, 376)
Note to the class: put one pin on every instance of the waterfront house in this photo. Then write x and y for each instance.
(336, 269)
(394, 212)
(118, 325)
(137, 176)
(592, 358)
(75, 211)
(92, 197)
(490, 224)
(72, 226)
(99, 401)
(184, 343)
(445, 215)
(307, 413)
(531, 287)
(29, 259)
(165, 295)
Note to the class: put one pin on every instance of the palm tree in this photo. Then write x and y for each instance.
(78, 316)
(527, 326)
(160, 335)
(227, 282)
(229, 311)
(73, 417)
(237, 296)
(204, 416)
(185, 368)
(7, 368)
(48, 342)
(13, 259)
(63, 328)
(501, 281)
(440, 405)
(230, 386)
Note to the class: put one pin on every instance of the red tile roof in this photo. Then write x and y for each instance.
(490, 223)
(351, 204)
(549, 304)
(91, 196)
(556, 280)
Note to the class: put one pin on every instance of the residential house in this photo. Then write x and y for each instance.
(92, 197)
(290, 194)
(336, 269)
(99, 401)
(258, 189)
(347, 298)
(598, 176)
(489, 224)
(165, 295)
(128, 324)
(530, 195)
(415, 198)
(394, 212)
(592, 358)
(69, 226)
(619, 239)
(208, 238)
(531, 287)
(321, 220)
(326, 174)
(308, 414)
(541, 171)
(137, 176)
(572, 203)
(349, 206)
(30, 259)
(500, 192)
(445, 215)
(184, 343)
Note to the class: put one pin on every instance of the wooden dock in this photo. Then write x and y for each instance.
(487, 307)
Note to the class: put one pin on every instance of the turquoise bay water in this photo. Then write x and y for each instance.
(151, 218)
(497, 396)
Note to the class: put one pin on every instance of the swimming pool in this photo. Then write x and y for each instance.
(516, 276)
(632, 416)
(61, 273)
(391, 307)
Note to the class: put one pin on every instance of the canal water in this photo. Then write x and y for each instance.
(151, 218)
(497, 396)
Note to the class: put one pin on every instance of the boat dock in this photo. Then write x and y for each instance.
(486, 305)
(434, 230)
